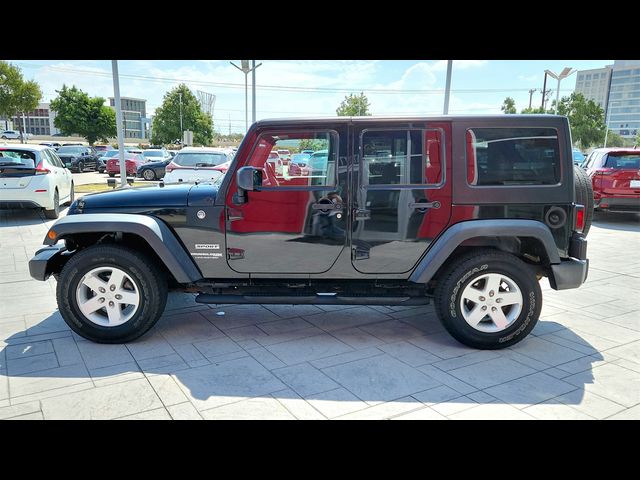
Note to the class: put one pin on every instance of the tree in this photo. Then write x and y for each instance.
(586, 119)
(354, 106)
(614, 140)
(638, 138)
(534, 110)
(166, 122)
(509, 105)
(16, 94)
(77, 113)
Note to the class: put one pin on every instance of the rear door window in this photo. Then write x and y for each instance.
(401, 157)
(512, 156)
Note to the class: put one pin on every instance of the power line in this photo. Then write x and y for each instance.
(288, 88)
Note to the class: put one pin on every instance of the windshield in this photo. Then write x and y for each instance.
(112, 153)
(153, 153)
(71, 150)
(197, 159)
(623, 161)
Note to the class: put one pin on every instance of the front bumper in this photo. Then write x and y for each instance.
(47, 261)
(571, 272)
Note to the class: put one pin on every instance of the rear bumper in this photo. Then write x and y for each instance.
(26, 198)
(47, 261)
(618, 204)
(571, 272)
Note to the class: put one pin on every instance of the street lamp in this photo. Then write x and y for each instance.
(246, 70)
(563, 74)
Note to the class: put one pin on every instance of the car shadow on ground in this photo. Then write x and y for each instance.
(628, 222)
(25, 217)
(338, 361)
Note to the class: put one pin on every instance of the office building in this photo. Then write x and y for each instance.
(623, 114)
(134, 113)
(594, 85)
(37, 122)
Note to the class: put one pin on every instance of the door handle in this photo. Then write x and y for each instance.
(327, 206)
(424, 205)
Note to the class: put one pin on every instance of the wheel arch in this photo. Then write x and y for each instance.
(519, 237)
(148, 234)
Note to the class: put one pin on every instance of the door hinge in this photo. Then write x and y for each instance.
(235, 253)
(233, 214)
(362, 214)
(359, 253)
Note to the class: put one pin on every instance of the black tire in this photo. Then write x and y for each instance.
(80, 167)
(112, 175)
(4, 137)
(467, 269)
(55, 211)
(72, 195)
(149, 174)
(584, 196)
(151, 281)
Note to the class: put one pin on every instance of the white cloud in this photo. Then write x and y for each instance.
(529, 78)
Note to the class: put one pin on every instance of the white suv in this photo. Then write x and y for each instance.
(33, 176)
(13, 134)
(198, 164)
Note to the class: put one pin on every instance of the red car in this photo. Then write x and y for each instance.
(615, 175)
(132, 162)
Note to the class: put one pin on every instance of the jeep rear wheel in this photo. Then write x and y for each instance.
(111, 294)
(488, 299)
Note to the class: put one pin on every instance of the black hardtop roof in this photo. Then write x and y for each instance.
(383, 118)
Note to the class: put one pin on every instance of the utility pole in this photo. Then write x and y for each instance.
(229, 124)
(116, 95)
(531, 92)
(447, 87)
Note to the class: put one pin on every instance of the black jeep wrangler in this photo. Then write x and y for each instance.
(468, 211)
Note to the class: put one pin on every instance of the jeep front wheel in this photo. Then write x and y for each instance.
(488, 299)
(111, 294)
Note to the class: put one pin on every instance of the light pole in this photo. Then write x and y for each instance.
(253, 90)
(181, 131)
(563, 74)
(246, 70)
(447, 89)
(116, 95)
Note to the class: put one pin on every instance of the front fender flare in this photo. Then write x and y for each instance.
(154, 231)
(443, 247)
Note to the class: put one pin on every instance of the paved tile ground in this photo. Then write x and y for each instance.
(306, 362)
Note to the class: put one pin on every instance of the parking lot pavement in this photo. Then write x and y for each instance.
(581, 362)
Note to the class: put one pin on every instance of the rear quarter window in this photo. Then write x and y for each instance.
(512, 156)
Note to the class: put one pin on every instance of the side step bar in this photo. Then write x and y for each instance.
(310, 300)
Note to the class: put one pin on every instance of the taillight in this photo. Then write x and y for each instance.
(580, 215)
(169, 168)
(40, 170)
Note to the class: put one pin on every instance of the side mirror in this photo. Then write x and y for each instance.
(248, 179)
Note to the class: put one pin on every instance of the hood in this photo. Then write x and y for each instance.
(145, 198)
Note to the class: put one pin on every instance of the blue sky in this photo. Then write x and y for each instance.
(292, 88)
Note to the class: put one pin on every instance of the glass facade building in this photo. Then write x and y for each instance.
(134, 111)
(624, 98)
